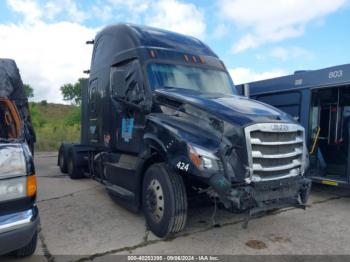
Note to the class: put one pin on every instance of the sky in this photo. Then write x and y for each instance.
(255, 39)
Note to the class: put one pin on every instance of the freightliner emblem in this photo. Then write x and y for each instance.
(279, 127)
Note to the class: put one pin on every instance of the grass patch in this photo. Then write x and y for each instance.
(54, 124)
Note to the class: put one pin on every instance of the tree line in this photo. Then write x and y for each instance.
(70, 92)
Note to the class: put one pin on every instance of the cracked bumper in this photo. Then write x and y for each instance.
(264, 196)
(268, 195)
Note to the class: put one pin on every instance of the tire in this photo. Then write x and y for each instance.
(73, 170)
(29, 249)
(62, 161)
(164, 200)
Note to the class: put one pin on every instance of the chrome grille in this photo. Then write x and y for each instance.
(274, 150)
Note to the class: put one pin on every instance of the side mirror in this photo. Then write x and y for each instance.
(127, 85)
(117, 83)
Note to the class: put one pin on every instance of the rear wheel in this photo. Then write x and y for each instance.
(29, 249)
(74, 171)
(62, 161)
(164, 200)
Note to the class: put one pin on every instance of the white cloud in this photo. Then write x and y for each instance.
(48, 55)
(287, 53)
(220, 31)
(129, 11)
(35, 10)
(53, 8)
(274, 20)
(173, 15)
(137, 6)
(176, 16)
(241, 75)
(103, 12)
(28, 8)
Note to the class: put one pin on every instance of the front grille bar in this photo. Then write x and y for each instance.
(258, 154)
(258, 167)
(257, 141)
(263, 149)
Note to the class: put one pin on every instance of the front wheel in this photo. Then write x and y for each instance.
(29, 249)
(164, 200)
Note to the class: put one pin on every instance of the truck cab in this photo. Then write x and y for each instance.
(18, 212)
(162, 121)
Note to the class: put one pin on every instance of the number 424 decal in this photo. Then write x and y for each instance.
(182, 166)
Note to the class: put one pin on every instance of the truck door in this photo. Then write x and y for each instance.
(128, 117)
(330, 114)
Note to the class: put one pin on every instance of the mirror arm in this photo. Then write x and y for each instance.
(132, 105)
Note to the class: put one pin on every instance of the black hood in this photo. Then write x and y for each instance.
(237, 110)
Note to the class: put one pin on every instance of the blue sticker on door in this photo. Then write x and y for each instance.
(127, 128)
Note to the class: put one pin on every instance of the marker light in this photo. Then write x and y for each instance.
(31, 185)
(194, 59)
(152, 53)
(195, 158)
(186, 58)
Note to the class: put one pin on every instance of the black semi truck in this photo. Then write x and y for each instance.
(162, 121)
(320, 101)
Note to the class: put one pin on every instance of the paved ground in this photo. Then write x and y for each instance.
(79, 218)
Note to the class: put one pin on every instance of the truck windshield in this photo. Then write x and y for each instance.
(192, 78)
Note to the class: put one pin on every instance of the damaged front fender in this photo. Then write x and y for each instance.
(172, 136)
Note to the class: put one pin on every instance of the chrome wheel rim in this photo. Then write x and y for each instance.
(155, 200)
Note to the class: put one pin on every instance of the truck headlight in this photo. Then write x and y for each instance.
(12, 161)
(13, 188)
(203, 159)
(18, 187)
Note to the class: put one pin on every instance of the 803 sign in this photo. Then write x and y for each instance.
(335, 74)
